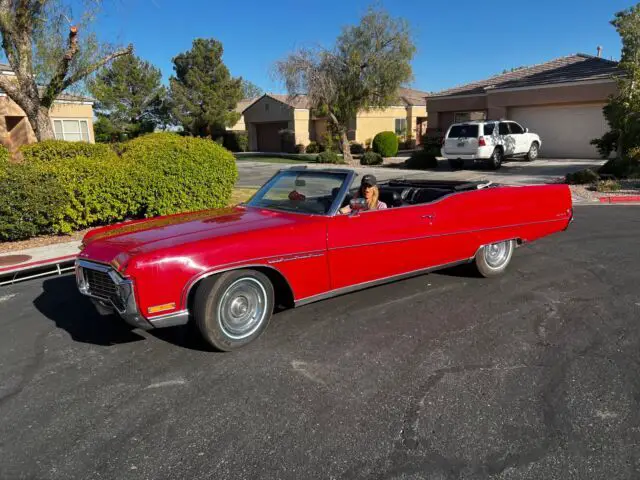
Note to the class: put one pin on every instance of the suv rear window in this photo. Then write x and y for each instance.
(489, 128)
(464, 131)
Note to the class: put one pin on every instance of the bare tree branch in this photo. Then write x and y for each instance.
(56, 85)
(79, 75)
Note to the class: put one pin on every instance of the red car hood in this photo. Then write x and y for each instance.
(145, 236)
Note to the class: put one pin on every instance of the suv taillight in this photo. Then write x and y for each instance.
(481, 142)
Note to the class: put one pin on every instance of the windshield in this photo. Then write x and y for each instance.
(300, 191)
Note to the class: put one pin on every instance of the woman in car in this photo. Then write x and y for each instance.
(369, 191)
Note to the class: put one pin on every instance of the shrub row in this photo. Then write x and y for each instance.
(65, 186)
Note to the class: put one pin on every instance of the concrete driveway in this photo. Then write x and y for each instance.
(254, 174)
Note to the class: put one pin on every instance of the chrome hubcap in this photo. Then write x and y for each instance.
(242, 308)
(534, 152)
(497, 254)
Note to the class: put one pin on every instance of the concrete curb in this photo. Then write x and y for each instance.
(40, 261)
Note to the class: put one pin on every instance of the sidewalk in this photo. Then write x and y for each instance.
(37, 262)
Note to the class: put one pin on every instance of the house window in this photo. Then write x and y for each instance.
(266, 107)
(71, 130)
(401, 126)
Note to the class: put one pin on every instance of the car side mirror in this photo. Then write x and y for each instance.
(357, 204)
(526, 130)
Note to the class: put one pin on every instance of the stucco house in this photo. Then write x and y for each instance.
(561, 100)
(71, 115)
(269, 114)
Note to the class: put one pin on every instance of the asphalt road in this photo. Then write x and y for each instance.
(533, 375)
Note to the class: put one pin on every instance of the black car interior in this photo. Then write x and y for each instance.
(398, 193)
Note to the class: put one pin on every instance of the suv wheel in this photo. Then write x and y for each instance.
(534, 151)
(495, 161)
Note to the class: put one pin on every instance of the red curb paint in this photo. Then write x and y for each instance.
(49, 261)
(621, 199)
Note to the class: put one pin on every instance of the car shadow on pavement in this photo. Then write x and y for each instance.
(61, 302)
(466, 270)
(183, 336)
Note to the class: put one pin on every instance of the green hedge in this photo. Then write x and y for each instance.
(4, 155)
(386, 144)
(31, 202)
(61, 187)
(176, 174)
(53, 150)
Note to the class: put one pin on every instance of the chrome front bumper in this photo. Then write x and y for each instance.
(122, 300)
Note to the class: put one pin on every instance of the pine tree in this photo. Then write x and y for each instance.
(203, 92)
(130, 96)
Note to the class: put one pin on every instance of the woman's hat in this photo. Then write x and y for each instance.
(369, 180)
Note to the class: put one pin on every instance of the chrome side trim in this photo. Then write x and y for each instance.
(170, 319)
(379, 281)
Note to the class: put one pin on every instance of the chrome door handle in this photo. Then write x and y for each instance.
(429, 216)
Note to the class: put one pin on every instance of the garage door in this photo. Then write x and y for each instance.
(269, 136)
(565, 131)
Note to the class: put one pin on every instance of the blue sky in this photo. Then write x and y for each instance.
(457, 41)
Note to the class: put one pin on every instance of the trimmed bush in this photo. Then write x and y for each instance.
(177, 174)
(313, 147)
(328, 157)
(31, 202)
(371, 158)
(236, 141)
(55, 150)
(421, 159)
(582, 177)
(300, 148)
(386, 144)
(356, 148)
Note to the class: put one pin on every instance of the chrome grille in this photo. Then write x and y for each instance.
(101, 285)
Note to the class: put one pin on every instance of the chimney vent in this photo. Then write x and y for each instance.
(599, 51)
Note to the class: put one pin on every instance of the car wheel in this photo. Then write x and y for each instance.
(534, 151)
(492, 260)
(495, 161)
(456, 164)
(234, 308)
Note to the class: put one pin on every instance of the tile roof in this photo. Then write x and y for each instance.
(410, 96)
(244, 104)
(406, 96)
(297, 101)
(572, 68)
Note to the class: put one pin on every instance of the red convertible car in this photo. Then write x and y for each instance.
(290, 244)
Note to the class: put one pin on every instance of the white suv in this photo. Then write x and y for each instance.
(489, 141)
